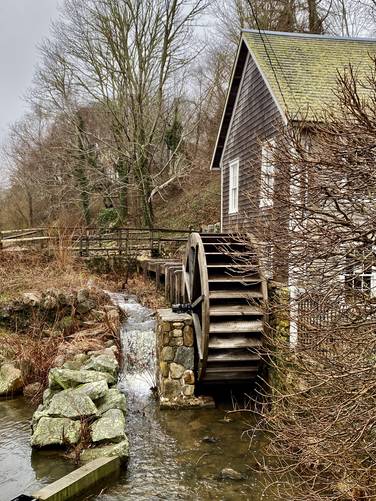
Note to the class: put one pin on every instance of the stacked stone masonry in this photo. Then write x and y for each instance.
(175, 353)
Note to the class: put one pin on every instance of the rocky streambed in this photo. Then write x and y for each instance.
(199, 454)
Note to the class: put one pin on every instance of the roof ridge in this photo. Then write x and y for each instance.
(309, 35)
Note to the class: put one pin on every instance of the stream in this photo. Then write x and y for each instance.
(174, 455)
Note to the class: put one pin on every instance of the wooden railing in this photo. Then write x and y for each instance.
(132, 241)
(88, 242)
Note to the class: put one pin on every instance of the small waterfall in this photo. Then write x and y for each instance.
(138, 344)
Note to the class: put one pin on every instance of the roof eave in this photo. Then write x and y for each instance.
(236, 78)
(279, 103)
(233, 89)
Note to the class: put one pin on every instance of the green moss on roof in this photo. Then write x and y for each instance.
(303, 70)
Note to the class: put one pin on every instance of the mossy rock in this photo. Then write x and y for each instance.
(10, 380)
(103, 363)
(73, 404)
(95, 390)
(113, 399)
(66, 378)
(109, 428)
(56, 431)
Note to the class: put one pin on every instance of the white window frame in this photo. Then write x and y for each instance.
(359, 277)
(233, 194)
(267, 175)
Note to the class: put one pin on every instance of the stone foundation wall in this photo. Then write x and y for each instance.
(175, 356)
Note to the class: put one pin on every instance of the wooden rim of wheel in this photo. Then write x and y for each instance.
(197, 290)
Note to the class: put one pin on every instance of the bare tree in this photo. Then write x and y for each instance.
(350, 17)
(124, 55)
(322, 421)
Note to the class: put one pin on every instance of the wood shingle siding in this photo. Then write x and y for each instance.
(255, 117)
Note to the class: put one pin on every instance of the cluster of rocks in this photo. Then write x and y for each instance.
(54, 313)
(69, 309)
(81, 399)
(175, 353)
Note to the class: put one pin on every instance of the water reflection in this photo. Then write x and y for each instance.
(21, 471)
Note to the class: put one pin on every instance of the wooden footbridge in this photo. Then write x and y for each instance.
(90, 242)
(214, 277)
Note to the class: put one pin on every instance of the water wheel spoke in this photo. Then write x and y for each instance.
(198, 301)
(192, 266)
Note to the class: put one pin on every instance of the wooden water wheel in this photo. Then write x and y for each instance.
(226, 291)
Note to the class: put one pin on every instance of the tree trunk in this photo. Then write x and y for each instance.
(144, 185)
(122, 170)
(82, 182)
(30, 206)
(148, 212)
(80, 172)
(314, 20)
(287, 18)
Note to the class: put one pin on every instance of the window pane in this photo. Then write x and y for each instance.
(233, 186)
(267, 175)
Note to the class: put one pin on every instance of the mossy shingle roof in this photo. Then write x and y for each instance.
(302, 70)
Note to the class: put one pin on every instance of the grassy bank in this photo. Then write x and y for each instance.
(42, 321)
(34, 271)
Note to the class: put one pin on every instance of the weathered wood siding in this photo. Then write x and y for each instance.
(255, 118)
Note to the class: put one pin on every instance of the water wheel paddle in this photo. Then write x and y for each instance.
(226, 291)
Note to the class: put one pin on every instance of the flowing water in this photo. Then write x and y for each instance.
(174, 455)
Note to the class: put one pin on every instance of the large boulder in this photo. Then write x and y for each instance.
(113, 399)
(110, 427)
(95, 390)
(67, 378)
(10, 380)
(71, 404)
(120, 450)
(103, 363)
(56, 431)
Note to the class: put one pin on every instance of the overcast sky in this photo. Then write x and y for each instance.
(23, 25)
